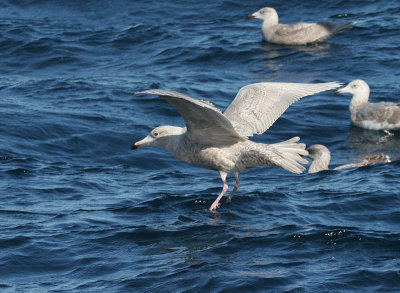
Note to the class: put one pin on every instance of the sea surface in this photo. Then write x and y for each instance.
(81, 212)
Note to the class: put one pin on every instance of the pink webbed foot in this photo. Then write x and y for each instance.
(214, 207)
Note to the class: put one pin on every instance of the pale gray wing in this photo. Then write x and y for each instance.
(294, 29)
(383, 112)
(257, 106)
(300, 33)
(204, 122)
(311, 32)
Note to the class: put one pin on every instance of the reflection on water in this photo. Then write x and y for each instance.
(366, 142)
(277, 58)
(306, 48)
(272, 51)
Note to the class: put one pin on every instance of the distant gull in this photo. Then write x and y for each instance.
(219, 141)
(300, 33)
(321, 157)
(375, 116)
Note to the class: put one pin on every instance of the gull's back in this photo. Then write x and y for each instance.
(303, 33)
(384, 115)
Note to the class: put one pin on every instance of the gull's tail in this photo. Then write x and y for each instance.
(288, 155)
(337, 28)
(344, 26)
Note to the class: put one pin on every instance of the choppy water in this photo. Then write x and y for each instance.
(80, 212)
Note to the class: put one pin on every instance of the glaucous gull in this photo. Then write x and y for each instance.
(300, 33)
(374, 116)
(219, 141)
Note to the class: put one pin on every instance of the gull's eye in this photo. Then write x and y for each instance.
(155, 134)
(354, 86)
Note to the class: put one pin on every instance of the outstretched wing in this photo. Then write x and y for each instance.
(257, 106)
(204, 122)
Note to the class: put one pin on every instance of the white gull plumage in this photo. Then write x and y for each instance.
(219, 141)
(321, 157)
(374, 116)
(300, 33)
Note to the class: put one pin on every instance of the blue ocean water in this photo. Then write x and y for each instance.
(80, 212)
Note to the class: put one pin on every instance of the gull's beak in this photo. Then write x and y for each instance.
(134, 146)
(306, 154)
(342, 90)
(141, 143)
(250, 16)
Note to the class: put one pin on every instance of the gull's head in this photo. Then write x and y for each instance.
(357, 88)
(266, 13)
(321, 157)
(317, 151)
(162, 136)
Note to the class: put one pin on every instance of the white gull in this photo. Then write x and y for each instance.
(374, 116)
(219, 141)
(300, 33)
(321, 157)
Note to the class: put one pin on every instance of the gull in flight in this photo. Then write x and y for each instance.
(374, 116)
(300, 33)
(321, 157)
(219, 141)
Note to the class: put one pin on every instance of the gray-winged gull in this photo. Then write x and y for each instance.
(375, 116)
(321, 157)
(219, 141)
(300, 33)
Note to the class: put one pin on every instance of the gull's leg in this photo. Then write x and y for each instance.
(228, 200)
(386, 137)
(215, 204)
(388, 132)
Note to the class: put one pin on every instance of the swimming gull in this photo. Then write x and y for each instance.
(300, 33)
(219, 141)
(321, 157)
(375, 116)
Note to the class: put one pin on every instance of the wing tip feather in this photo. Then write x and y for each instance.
(150, 91)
